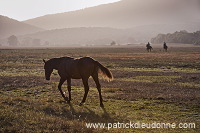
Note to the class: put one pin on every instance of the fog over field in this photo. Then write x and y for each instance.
(124, 22)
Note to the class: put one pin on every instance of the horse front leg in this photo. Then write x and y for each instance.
(69, 88)
(62, 80)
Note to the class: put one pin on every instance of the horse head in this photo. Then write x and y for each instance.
(48, 69)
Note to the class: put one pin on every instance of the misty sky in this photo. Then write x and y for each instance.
(27, 9)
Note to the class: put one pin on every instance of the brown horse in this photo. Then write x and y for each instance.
(165, 47)
(149, 48)
(70, 68)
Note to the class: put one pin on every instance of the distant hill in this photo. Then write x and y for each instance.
(78, 37)
(10, 27)
(178, 37)
(126, 14)
(140, 19)
(92, 36)
(145, 33)
(129, 21)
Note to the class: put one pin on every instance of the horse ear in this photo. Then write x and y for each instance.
(44, 61)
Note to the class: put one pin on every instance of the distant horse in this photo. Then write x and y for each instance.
(165, 47)
(71, 68)
(149, 48)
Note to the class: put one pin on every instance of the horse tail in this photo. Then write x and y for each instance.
(106, 74)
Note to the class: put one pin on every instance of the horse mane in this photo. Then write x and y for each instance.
(59, 59)
(56, 61)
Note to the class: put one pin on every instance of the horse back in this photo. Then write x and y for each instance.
(76, 68)
(86, 66)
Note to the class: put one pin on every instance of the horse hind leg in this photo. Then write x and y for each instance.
(96, 80)
(86, 88)
(69, 89)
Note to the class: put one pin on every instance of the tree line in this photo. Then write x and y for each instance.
(14, 41)
(178, 37)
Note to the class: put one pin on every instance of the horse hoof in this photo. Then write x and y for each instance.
(80, 104)
(68, 101)
(101, 105)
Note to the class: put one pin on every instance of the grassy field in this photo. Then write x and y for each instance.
(156, 87)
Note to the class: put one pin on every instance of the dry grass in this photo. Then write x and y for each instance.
(148, 87)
